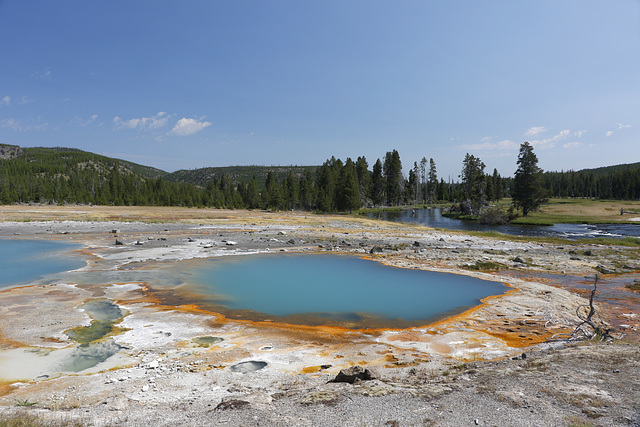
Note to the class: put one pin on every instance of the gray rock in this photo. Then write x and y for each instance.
(231, 404)
(604, 270)
(354, 374)
(376, 250)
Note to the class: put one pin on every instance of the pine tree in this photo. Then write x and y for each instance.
(392, 170)
(377, 184)
(433, 181)
(364, 178)
(348, 187)
(527, 193)
(473, 182)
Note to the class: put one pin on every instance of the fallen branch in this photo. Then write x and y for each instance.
(592, 325)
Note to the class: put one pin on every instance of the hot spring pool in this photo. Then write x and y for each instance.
(26, 261)
(341, 289)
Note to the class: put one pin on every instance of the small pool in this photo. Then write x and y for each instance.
(335, 289)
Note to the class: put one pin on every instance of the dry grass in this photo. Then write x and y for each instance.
(596, 210)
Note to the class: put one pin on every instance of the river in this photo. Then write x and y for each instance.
(432, 217)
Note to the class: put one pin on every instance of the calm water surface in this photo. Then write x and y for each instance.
(310, 289)
(338, 287)
(25, 261)
(432, 217)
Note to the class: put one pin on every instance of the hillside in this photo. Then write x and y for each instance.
(68, 175)
(236, 174)
(606, 170)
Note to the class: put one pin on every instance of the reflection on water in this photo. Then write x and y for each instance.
(432, 217)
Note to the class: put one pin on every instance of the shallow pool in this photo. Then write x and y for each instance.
(342, 289)
(25, 261)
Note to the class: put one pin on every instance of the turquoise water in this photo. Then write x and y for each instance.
(346, 288)
(25, 261)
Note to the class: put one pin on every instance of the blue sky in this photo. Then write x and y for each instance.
(182, 85)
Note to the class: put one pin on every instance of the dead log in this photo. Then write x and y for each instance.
(592, 325)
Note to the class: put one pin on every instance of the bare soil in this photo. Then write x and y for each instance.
(504, 363)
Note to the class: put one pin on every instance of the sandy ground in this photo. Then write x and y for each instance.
(503, 363)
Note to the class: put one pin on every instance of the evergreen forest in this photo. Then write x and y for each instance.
(64, 175)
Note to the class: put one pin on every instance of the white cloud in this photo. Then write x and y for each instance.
(11, 124)
(15, 125)
(551, 142)
(486, 145)
(144, 123)
(83, 123)
(533, 131)
(6, 100)
(620, 127)
(42, 75)
(579, 133)
(571, 145)
(186, 126)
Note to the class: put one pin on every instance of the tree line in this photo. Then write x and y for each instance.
(74, 176)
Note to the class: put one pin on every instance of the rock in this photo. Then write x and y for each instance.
(231, 243)
(416, 244)
(138, 243)
(291, 242)
(231, 404)
(115, 231)
(588, 253)
(145, 388)
(119, 243)
(376, 250)
(354, 374)
(604, 270)
(519, 260)
(153, 364)
(327, 397)
(441, 239)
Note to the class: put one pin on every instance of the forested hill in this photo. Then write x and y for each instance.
(58, 175)
(66, 175)
(619, 182)
(66, 158)
(608, 170)
(237, 174)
